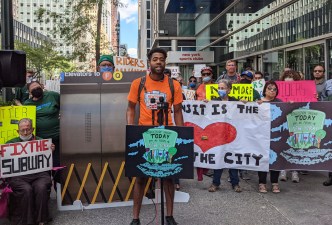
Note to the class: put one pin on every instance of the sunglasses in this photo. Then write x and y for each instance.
(192, 81)
(318, 71)
(206, 74)
(272, 89)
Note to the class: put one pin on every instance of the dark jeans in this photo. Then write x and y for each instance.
(233, 174)
(274, 176)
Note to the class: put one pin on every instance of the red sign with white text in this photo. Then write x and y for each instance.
(297, 91)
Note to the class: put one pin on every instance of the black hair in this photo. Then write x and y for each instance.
(34, 81)
(259, 72)
(271, 82)
(154, 50)
(320, 66)
(192, 77)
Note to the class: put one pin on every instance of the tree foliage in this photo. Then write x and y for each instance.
(45, 59)
(78, 24)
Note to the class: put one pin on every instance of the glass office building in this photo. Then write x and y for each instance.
(266, 35)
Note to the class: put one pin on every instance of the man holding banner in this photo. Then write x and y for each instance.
(29, 200)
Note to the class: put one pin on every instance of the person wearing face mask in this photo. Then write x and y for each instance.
(47, 118)
(192, 83)
(105, 64)
(247, 78)
(207, 74)
(22, 94)
(224, 88)
(290, 75)
(29, 200)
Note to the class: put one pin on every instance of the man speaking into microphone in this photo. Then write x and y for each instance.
(163, 89)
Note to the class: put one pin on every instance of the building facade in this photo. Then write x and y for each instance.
(27, 15)
(267, 35)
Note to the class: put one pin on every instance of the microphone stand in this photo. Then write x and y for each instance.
(163, 111)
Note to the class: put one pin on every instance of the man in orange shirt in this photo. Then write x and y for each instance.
(157, 85)
(207, 74)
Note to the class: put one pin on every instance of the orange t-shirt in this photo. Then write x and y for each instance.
(154, 89)
(201, 92)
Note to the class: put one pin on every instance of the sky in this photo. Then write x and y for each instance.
(129, 26)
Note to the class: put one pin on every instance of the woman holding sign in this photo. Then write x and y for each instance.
(270, 93)
(47, 118)
(224, 88)
(290, 75)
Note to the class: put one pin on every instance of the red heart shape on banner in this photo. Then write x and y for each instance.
(213, 135)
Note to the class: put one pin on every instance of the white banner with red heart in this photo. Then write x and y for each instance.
(230, 134)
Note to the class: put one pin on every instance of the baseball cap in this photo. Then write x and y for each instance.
(108, 58)
(247, 73)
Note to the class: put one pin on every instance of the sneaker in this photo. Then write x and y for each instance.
(262, 188)
(213, 188)
(170, 220)
(135, 222)
(295, 177)
(237, 188)
(275, 188)
(283, 175)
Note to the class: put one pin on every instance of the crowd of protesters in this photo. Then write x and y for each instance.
(270, 94)
(34, 190)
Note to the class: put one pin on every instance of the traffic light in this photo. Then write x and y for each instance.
(12, 68)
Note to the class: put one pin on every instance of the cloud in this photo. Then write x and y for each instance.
(129, 13)
(131, 19)
(132, 52)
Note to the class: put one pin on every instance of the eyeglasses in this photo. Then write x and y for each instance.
(272, 89)
(23, 131)
(318, 71)
(206, 74)
(192, 81)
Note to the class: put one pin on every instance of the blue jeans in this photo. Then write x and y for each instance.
(233, 174)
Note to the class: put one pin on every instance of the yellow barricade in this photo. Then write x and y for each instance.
(100, 182)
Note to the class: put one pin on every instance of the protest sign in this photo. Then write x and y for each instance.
(197, 69)
(297, 91)
(128, 64)
(9, 118)
(242, 91)
(301, 136)
(24, 158)
(189, 94)
(159, 151)
(229, 134)
(258, 85)
(211, 91)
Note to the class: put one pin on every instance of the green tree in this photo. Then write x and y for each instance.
(78, 24)
(44, 58)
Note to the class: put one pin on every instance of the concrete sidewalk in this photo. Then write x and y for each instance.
(307, 202)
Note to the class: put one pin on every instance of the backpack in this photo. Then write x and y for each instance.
(142, 85)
